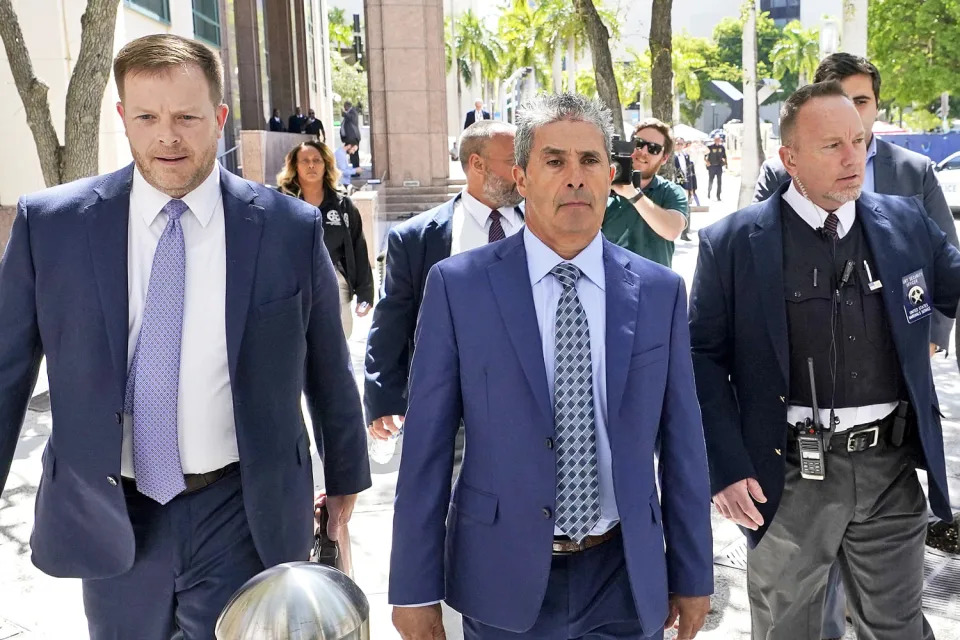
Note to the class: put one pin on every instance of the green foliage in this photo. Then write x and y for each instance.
(797, 53)
(728, 36)
(916, 46)
(921, 120)
(341, 32)
(349, 81)
(470, 43)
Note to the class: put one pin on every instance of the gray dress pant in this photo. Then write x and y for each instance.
(869, 515)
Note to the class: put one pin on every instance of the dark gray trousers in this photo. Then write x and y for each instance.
(869, 514)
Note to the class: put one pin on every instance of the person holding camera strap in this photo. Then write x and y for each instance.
(645, 213)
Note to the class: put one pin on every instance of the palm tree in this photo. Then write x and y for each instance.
(470, 43)
(797, 51)
(752, 151)
(341, 33)
(523, 34)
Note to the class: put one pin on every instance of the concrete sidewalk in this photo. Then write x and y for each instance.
(34, 606)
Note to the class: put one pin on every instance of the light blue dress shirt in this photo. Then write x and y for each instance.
(868, 181)
(343, 163)
(590, 289)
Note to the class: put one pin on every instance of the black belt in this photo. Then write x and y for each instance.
(194, 481)
(862, 436)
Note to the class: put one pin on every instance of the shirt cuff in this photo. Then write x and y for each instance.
(424, 604)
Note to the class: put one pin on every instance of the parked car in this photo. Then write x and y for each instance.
(948, 170)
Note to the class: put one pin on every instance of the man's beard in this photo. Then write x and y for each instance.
(163, 183)
(844, 195)
(502, 193)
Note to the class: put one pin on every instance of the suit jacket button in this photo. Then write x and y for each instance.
(113, 481)
(547, 513)
(549, 443)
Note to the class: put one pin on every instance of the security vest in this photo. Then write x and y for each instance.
(835, 320)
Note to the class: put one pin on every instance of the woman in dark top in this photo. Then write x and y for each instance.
(310, 173)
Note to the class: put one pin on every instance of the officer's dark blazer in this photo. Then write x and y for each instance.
(897, 172)
(471, 117)
(738, 328)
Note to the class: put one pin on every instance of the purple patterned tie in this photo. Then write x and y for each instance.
(154, 380)
(830, 225)
(496, 228)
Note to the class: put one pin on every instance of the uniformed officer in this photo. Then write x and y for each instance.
(821, 277)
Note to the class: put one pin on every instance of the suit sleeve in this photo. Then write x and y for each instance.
(20, 346)
(936, 206)
(712, 346)
(685, 483)
(388, 346)
(430, 430)
(363, 285)
(332, 395)
(946, 269)
(767, 183)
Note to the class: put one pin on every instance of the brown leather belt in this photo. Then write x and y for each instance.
(562, 545)
(194, 481)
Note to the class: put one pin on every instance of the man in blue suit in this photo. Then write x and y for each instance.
(182, 312)
(813, 308)
(566, 358)
(485, 211)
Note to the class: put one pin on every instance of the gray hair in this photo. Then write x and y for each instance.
(556, 107)
(474, 138)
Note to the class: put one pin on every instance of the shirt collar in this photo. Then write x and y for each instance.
(872, 149)
(541, 259)
(202, 200)
(814, 216)
(481, 212)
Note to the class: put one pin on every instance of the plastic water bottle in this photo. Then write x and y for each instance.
(382, 451)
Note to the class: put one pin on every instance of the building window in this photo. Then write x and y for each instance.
(158, 9)
(781, 11)
(311, 49)
(206, 21)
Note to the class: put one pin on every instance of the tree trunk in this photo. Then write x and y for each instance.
(599, 39)
(661, 70)
(751, 150)
(78, 157)
(571, 64)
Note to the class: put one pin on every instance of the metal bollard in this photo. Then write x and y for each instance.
(296, 601)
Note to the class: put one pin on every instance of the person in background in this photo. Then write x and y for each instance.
(687, 175)
(342, 159)
(649, 217)
(350, 130)
(314, 126)
(716, 159)
(309, 173)
(296, 122)
(478, 114)
(276, 122)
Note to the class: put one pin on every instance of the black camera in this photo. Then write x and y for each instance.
(622, 160)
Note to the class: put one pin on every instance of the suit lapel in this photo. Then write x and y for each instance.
(107, 221)
(510, 280)
(243, 225)
(622, 303)
(884, 171)
(766, 243)
(437, 239)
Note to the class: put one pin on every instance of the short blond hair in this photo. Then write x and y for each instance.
(158, 53)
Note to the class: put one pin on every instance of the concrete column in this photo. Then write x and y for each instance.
(282, 57)
(305, 100)
(408, 98)
(249, 51)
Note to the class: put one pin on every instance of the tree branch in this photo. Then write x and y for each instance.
(33, 93)
(85, 92)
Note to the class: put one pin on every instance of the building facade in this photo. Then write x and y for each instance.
(275, 55)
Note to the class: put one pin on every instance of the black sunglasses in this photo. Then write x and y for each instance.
(652, 147)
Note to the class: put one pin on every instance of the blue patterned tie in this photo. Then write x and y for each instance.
(154, 380)
(578, 486)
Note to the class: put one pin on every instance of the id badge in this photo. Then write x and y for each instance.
(916, 297)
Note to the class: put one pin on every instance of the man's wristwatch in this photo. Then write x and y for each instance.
(635, 199)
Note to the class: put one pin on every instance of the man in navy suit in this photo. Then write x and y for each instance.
(567, 360)
(182, 312)
(829, 282)
(477, 115)
(485, 211)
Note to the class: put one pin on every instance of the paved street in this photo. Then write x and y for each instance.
(34, 606)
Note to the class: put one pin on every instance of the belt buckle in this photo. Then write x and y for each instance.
(856, 441)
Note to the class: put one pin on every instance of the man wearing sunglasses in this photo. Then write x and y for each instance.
(647, 216)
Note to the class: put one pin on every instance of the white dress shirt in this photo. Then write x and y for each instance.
(591, 291)
(205, 423)
(848, 416)
(471, 223)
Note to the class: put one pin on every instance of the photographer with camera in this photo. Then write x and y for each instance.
(645, 213)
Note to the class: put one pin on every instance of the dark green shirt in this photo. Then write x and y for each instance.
(622, 224)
